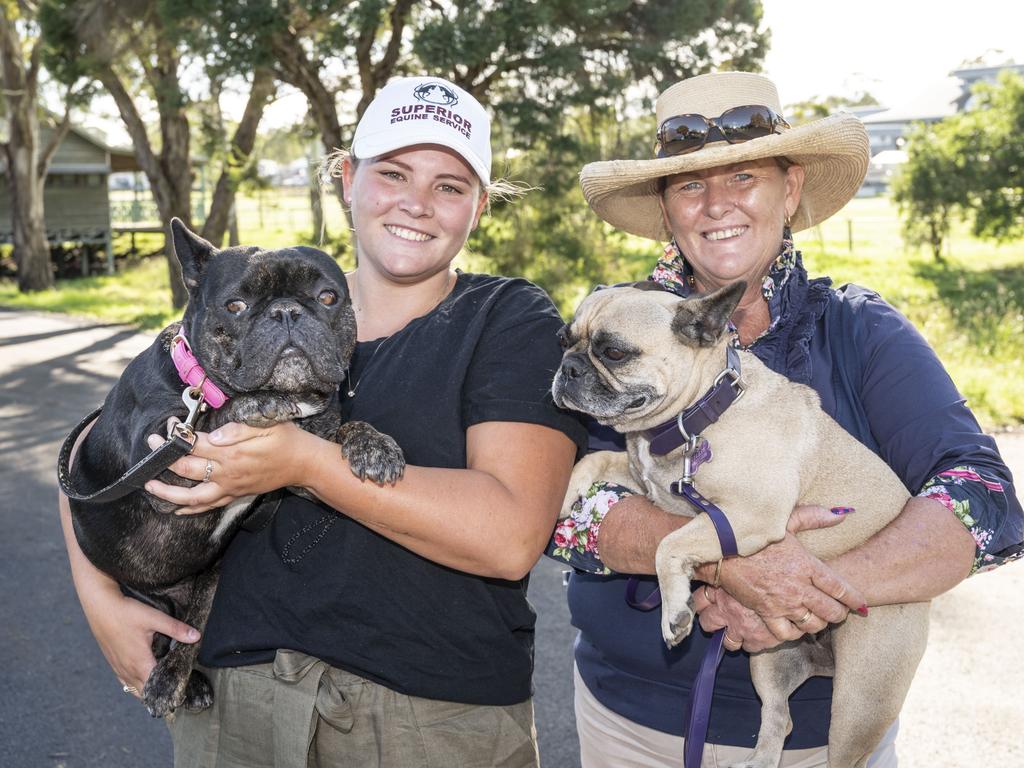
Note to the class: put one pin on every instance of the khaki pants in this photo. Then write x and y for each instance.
(300, 712)
(609, 740)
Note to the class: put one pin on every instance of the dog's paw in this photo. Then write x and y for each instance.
(163, 691)
(675, 625)
(371, 455)
(198, 692)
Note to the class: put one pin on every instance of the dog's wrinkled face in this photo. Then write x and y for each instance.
(277, 320)
(633, 358)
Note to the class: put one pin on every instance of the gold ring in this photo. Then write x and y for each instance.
(129, 689)
(805, 618)
(209, 470)
(728, 639)
(707, 595)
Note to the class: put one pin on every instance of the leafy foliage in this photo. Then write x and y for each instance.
(970, 164)
(823, 106)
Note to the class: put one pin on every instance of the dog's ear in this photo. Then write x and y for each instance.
(192, 251)
(702, 319)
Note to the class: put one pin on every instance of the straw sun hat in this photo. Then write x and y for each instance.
(833, 152)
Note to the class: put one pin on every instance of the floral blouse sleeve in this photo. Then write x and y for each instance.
(980, 504)
(575, 537)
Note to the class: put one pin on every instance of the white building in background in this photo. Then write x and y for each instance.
(887, 126)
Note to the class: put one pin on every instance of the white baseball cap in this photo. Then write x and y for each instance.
(426, 110)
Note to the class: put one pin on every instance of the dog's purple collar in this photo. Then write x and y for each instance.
(726, 390)
(192, 373)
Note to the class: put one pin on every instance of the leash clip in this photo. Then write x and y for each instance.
(195, 401)
(692, 443)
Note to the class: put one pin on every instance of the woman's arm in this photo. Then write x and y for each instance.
(123, 627)
(492, 518)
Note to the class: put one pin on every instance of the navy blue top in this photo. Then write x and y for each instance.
(877, 377)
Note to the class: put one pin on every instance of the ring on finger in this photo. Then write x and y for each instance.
(209, 470)
(804, 619)
(129, 689)
(728, 639)
(707, 595)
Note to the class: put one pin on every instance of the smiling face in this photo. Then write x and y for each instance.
(412, 210)
(728, 220)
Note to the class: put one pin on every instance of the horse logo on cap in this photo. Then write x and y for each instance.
(436, 93)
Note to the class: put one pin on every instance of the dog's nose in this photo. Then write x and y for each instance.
(572, 367)
(286, 311)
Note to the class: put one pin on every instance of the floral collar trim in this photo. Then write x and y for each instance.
(675, 274)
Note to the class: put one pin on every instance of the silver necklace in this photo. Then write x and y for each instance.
(444, 292)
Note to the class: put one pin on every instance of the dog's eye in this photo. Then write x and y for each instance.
(613, 353)
(236, 306)
(327, 298)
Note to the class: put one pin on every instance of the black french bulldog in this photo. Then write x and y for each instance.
(274, 330)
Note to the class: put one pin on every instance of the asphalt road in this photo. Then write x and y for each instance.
(61, 707)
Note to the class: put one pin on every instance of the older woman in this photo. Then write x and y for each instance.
(730, 183)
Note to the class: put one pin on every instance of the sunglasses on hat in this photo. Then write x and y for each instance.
(682, 134)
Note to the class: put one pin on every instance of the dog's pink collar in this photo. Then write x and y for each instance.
(192, 373)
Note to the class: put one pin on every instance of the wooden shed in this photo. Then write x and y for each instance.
(76, 192)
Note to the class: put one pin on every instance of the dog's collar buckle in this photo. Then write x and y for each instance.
(192, 373)
(727, 388)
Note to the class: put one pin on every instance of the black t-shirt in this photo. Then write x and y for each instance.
(318, 582)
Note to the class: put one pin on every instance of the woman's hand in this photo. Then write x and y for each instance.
(790, 591)
(234, 461)
(743, 627)
(124, 629)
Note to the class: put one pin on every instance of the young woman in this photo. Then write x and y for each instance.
(385, 625)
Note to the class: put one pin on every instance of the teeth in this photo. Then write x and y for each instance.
(724, 234)
(408, 234)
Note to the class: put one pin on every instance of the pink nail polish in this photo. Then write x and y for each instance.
(863, 610)
(842, 510)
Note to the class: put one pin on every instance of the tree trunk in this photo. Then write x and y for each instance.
(242, 144)
(295, 68)
(31, 248)
(169, 174)
(20, 80)
(316, 205)
(233, 225)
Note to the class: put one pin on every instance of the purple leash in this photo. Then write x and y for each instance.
(685, 430)
(698, 710)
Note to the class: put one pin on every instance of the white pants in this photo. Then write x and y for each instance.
(609, 740)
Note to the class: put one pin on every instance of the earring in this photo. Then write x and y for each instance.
(788, 221)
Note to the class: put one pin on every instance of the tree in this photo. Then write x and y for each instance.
(140, 46)
(926, 188)
(27, 163)
(530, 60)
(823, 106)
(993, 139)
(969, 164)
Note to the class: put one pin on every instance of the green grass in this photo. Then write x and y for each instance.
(138, 296)
(970, 307)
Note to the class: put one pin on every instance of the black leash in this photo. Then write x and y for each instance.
(179, 443)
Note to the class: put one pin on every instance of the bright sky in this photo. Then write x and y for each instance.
(890, 48)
